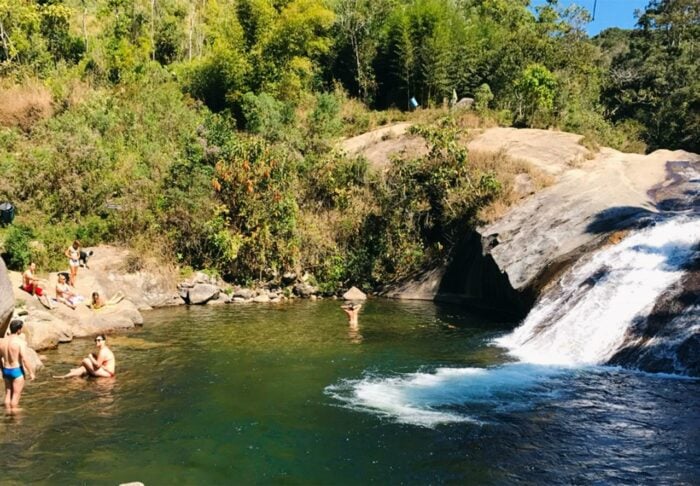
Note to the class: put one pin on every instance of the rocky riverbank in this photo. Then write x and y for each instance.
(145, 285)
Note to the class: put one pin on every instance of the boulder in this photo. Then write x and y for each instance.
(202, 293)
(304, 289)
(222, 299)
(262, 298)
(289, 278)
(464, 104)
(244, 293)
(45, 330)
(354, 294)
(503, 266)
(7, 300)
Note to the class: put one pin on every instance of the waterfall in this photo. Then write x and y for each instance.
(585, 319)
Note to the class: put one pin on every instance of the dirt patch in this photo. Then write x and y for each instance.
(24, 106)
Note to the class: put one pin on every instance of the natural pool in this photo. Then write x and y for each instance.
(287, 394)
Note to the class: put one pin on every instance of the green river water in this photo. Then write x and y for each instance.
(243, 394)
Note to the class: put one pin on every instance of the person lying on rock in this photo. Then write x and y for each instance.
(98, 302)
(100, 364)
(64, 293)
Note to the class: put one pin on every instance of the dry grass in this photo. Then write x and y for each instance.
(506, 170)
(24, 105)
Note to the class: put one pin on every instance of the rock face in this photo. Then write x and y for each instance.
(7, 299)
(505, 265)
(354, 294)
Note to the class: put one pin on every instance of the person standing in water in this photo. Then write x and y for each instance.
(101, 364)
(73, 254)
(352, 310)
(13, 356)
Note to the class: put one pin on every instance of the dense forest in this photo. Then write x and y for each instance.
(205, 131)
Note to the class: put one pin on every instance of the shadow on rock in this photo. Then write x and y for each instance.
(621, 218)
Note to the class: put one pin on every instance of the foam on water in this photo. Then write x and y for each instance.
(448, 394)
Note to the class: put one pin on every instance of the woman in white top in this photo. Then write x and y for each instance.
(73, 254)
(65, 294)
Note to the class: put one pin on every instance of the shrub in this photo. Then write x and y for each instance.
(17, 250)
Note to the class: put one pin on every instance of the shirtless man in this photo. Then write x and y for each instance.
(13, 355)
(29, 281)
(352, 310)
(100, 365)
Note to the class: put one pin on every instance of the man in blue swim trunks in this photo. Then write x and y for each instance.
(13, 357)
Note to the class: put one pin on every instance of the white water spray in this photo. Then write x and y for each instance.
(586, 319)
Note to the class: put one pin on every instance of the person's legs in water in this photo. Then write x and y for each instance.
(8, 393)
(74, 373)
(17, 387)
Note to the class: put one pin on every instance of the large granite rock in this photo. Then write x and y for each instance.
(7, 299)
(202, 293)
(504, 265)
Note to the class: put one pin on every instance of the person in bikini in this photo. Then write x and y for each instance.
(64, 293)
(98, 302)
(13, 357)
(73, 255)
(101, 364)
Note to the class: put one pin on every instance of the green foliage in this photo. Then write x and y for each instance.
(17, 251)
(266, 116)
(656, 81)
(482, 98)
(257, 185)
(424, 207)
(536, 90)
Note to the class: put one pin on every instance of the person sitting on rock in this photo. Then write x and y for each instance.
(30, 283)
(64, 293)
(101, 364)
(98, 302)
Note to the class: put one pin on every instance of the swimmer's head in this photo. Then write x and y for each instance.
(15, 326)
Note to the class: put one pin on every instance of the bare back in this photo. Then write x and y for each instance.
(12, 350)
(105, 359)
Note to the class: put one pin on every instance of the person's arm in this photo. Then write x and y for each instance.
(23, 360)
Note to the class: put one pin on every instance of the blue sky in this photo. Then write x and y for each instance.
(609, 13)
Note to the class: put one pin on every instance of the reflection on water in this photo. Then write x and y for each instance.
(237, 394)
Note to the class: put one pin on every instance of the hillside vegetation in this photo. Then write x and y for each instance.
(205, 132)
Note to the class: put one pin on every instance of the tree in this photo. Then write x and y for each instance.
(536, 90)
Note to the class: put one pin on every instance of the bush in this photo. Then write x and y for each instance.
(17, 250)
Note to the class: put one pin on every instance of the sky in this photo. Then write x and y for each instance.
(609, 13)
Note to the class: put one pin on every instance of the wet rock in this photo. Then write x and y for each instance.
(262, 298)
